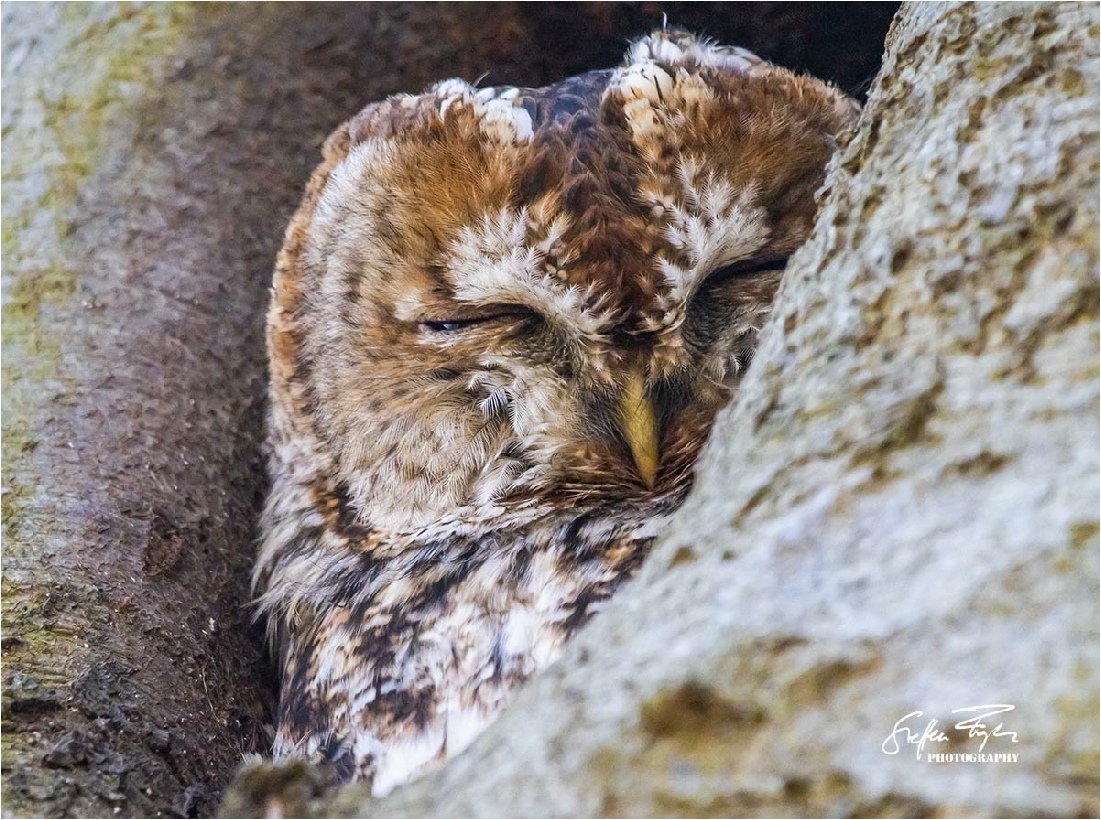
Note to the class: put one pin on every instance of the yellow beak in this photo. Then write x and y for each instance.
(640, 427)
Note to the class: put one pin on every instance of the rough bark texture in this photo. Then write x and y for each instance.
(151, 158)
(900, 511)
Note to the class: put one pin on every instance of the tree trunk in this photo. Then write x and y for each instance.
(898, 514)
(152, 156)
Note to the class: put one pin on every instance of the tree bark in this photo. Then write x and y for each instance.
(899, 512)
(152, 155)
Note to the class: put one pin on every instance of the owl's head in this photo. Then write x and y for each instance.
(495, 296)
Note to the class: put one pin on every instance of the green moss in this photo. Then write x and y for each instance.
(91, 94)
(1083, 535)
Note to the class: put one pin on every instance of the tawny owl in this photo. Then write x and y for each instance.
(503, 322)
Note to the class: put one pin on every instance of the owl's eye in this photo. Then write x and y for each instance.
(489, 314)
(747, 268)
(453, 325)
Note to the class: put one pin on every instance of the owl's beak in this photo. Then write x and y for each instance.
(639, 426)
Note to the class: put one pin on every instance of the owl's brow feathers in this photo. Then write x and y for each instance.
(518, 252)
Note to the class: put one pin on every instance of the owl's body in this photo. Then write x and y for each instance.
(503, 321)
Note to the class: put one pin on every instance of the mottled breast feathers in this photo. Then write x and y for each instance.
(503, 321)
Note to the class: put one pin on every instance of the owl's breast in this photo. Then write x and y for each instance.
(407, 659)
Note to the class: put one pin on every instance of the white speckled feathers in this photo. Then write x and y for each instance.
(502, 323)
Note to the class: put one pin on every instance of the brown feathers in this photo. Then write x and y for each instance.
(503, 321)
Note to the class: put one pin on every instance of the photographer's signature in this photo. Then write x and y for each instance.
(977, 724)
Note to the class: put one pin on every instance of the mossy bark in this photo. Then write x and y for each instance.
(152, 155)
(898, 513)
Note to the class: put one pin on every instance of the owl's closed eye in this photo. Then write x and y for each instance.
(503, 322)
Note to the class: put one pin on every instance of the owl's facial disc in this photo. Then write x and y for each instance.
(521, 294)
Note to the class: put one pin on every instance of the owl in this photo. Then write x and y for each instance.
(503, 320)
